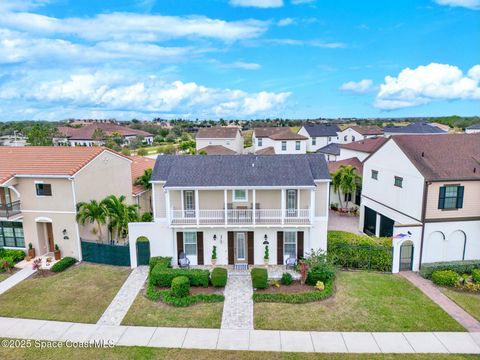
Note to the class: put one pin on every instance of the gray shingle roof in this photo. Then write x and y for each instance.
(474, 127)
(240, 170)
(319, 130)
(415, 128)
(330, 149)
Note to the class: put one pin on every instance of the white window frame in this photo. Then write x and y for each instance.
(298, 145)
(43, 183)
(260, 142)
(285, 254)
(244, 240)
(284, 143)
(236, 199)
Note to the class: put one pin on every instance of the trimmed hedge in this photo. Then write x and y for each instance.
(476, 276)
(167, 297)
(63, 264)
(16, 255)
(164, 261)
(219, 277)
(180, 287)
(162, 277)
(360, 251)
(296, 298)
(286, 279)
(445, 277)
(259, 278)
(460, 267)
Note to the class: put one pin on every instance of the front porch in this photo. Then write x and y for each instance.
(47, 261)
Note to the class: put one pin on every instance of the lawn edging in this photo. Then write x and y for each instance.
(296, 298)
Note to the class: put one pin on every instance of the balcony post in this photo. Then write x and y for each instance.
(225, 205)
(282, 207)
(167, 206)
(197, 205)
(254, 207)
(312, 205)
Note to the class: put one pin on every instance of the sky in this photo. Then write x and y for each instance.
(238, 59)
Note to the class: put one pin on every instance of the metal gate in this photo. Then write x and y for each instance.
(406, 256)
(105, 253)
(143, 252)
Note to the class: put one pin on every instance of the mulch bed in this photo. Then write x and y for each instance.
(194, 290)
(294, 287)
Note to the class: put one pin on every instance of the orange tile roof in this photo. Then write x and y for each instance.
(139, 165)
(86, 132)
(353, 162)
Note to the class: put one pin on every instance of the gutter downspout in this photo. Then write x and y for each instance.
(80, 257)
(424, 211)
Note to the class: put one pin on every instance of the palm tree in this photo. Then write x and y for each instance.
(345, 180)
(120, 214)
(144, 180)
(92, 212)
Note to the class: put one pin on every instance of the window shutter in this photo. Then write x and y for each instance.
(300, 251)
(460, 190)
(231, 253)
(179, 243)
(200, 260)
(441, 198)
(250, 245)
(279, 247)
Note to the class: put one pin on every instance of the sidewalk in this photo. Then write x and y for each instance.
(16, 278)
(450, 307)
(254, 340)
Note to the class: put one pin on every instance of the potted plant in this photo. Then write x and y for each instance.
(57, 253)
(214, 255)
(31, 251)
(266, 256)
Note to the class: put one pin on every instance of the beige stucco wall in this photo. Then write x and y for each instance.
(61, 199)
(144, 201)
(321, 196)
(159, 200)
(471, 201)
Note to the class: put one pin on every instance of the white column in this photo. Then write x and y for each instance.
(225, 205)
(167, 206)
(254, 207)
(312, 205)
(377, 225)
(197, 210)
(282, 207)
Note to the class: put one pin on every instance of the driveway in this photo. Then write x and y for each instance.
(343, 222)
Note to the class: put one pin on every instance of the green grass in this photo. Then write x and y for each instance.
(364, 301)
(145, 312)
(4, 275)
(469, 302)
(79, 294)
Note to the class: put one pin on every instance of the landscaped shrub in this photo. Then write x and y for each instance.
(295, 298)
(6, 263)
(461, 267)
(445, 277)
(16, 255)
(319, 268)
(323, 274)
(63, 264)
(259, 278)
(167, 297)
(219, 277)
(161, 276)
(360, 251)
(164, 261)
(180, 286)
(147, 217)
(286, 279)
(476, 276)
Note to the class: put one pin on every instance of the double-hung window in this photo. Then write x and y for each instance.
(284, 146)
(374, 174)
(290, 244)
(240, 195)
(451, 197)
(43, 189)
(190, 243)
(297, 145)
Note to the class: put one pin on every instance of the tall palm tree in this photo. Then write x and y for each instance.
(120, 214)
(144, 180)
(92, 212)
(345, 180)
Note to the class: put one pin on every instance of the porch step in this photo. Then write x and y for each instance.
(240, 267)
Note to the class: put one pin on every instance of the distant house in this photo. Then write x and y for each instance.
(319, 135)
(355, 198)
(219, 140)
(274, 140)
(94, 134)
(360, 149)
(418, 128)
(13, 140)
(359, 132)
(474, 129)
(331, 151)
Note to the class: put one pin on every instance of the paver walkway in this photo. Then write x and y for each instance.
(455, 311)
(238, 305)
(16, 278)
(344, 222)
(125, 297)
(254, 340)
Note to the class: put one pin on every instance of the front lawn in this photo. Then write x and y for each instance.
(145, 312)
(468, 301)
(4, 275)
(79, 294)
(364, 301)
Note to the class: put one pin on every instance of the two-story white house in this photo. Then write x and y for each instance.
(359, 132)
(424, 190)
(240, 205)
(319, 135)
(360, 149)
(418, 128)
(219, 140)
(278, 140)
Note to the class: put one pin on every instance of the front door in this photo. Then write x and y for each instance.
(406, 256)
(190, 247)
(51, 243)
(240, 247)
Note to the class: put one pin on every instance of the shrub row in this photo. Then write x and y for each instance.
(259, 278)
(296, 298)
(445, 277)
(164, 261)
(167, 297)
(180, 287)
(15, 255)
(63, 264)
(476, 276)
(162, 277)
(460, 267)
(219, 277)
(360, 251)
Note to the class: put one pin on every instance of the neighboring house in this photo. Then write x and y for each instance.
(425, 191)
(355, 198)
(418, 128)
(13, 140)
(213, 139)
(40, 188)
(474, 129)
(141, 196)
(238, 204)
(94, 134)
(358, 132)
(319, 135)
(331, 151)
(274, 140)
(360, 149)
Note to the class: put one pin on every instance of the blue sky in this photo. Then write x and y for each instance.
(238, 58)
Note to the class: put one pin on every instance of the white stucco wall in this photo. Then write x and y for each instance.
(291, 149)
(235, 144)
(348, 154)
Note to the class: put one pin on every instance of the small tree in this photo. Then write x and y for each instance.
(144, 180)
(345, 181)
(92, 212)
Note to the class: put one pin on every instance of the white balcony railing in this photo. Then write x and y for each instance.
(240, 217)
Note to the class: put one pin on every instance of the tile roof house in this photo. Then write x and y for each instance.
(360, 149)
(424, 190)
(282, 139)
(141, 196)
(319, 135)
(417, 128)
(236, 203)
(359, 132)
(219, 140)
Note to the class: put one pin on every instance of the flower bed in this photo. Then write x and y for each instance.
(293, 294)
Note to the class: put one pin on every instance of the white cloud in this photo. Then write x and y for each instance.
(413, 87)
(360, 87)
(296, 42)
(299, 2)
(469, 4)
(21, 5)
(286, 21)
(107, 91)
(243, 65)
(257, 3)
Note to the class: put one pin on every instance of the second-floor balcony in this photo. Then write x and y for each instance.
(9, 210)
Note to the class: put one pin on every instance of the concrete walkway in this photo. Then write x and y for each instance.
(254, 340)
(16, 278)
(125, 297)
(455, 311)
(238, 305)
(345, 222)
